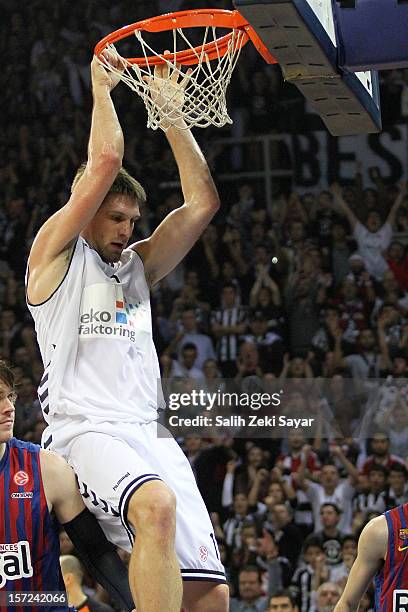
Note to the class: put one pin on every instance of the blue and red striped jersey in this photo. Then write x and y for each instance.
(391, 582)
(29, 542)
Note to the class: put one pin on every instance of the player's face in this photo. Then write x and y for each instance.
(110, 230)
(7, 399)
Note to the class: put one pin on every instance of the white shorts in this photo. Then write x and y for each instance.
(113, 460)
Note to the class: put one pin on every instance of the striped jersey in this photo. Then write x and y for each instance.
(29, 543)
(391, 582)
(227, 345)
(96, 342)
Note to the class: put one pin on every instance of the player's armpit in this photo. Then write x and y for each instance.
(372, 547)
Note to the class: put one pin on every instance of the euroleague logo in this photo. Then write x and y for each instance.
(21, 478)
(203, 553)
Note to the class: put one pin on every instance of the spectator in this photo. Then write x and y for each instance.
(73, 576)
(228, 323)
(307, 578)
(268, 343)
(328, 594)
(189, 334)
(186, 368)
(397, 260)
(373, 238)
(288, 536)
(330, 536)
(282, 601)
(364, 364)
(250, 595)
(397, 491)
(340, 251)
(373, 499)
(331, 490)
(339, 573)
(380, 449)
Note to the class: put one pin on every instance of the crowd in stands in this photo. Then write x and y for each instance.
(313, 299)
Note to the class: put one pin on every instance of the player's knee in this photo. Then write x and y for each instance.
(152, 510)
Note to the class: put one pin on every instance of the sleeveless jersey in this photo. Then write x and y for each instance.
(29, 543)
(96, 342)
(391, 582)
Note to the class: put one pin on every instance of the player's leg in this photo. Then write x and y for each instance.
(154, 572)
(205, 597)
(128, 496)
(196, 547)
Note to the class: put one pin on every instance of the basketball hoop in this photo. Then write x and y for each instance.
(197, 96)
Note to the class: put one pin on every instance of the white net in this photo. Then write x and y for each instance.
(175, 96)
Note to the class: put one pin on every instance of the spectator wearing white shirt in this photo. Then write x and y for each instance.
(374, 237)
(184, 368)
(189, 334)
(330, 489)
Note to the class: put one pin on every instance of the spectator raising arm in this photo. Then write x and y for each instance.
(398, 201)
(336, 191)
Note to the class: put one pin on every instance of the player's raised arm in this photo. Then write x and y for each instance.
(372, 547)
(97, 554)
(105, 151)
(175, 236)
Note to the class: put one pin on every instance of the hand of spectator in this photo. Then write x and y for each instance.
(336, 450)
(231, 466)
(276, 474)
(321, 568)
(306, 451)
(215, 519)
(266, 545)
(166, 361)
(334, 329)
(336, 190)
(382, 320)
(262, 474)
(179, 336)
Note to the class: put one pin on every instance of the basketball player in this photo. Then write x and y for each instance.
(382, 555)
(33, 484)
(89, 296)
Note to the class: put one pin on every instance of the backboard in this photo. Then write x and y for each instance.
(303, 36)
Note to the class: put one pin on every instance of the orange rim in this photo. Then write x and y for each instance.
(190, 19)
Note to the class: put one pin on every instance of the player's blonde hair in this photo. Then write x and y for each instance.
(123, 184)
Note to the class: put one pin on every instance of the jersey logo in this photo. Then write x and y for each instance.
(15, 562)
(105, 312)
(401, 548)
(23, 495)
(203, 553)
(21, 478)
(403, 534)
(400, 601)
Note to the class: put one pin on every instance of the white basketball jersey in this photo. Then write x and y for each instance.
(95, 337)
